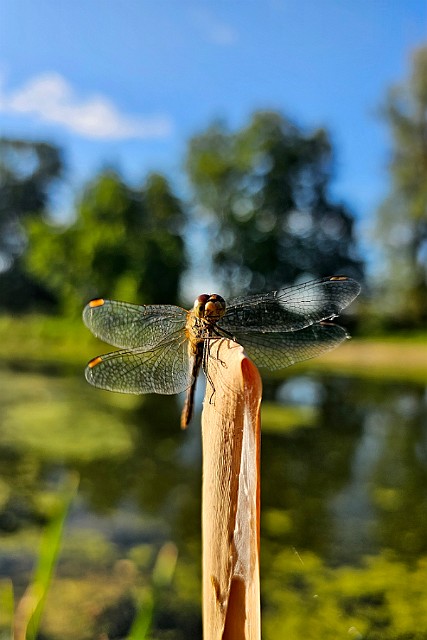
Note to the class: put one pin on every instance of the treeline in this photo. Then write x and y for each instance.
(125, 242)
(263, 195)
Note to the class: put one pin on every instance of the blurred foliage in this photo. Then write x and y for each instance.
(265, 190)
(402, 218)
(125, 243)
(28, 173)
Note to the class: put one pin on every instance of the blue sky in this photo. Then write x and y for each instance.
(127, 82)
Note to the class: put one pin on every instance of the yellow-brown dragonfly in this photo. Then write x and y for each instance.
(163, 347)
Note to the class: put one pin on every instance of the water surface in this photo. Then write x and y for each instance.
(344, 504)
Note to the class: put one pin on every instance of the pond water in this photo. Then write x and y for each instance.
(343, 501)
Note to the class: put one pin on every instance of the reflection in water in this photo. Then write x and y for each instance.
(357, 483)
(343, 481)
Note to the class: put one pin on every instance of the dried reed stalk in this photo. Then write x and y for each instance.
(231, 495)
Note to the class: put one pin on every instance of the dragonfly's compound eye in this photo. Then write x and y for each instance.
(214, 307)
(199, 305)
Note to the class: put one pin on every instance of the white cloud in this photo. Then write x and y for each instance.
(222, 34)
(214, 29)
(50, 98)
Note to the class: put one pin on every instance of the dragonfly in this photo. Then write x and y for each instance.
(161, 348)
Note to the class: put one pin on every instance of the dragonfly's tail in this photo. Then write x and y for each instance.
(187, 410)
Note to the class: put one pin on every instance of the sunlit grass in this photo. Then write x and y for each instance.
(60, 341)
(391, 358)
(86, 559)
(161, 578)
(128, 599)
(6, 609)
(46, 339)
(29, 610)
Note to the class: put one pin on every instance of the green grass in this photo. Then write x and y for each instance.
(59, 341)
(46, 339)
(30, 607)
(388, 358)
(7, 606)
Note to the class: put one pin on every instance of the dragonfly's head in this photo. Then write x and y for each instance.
(210, 307)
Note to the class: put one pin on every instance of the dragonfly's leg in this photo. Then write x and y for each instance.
(208, 355)
(205, 363)
(223, 332)
(218, 338)
(218, 346)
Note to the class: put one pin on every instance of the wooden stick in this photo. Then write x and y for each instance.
(231, 495)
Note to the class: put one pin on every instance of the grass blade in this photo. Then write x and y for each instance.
(30, 607)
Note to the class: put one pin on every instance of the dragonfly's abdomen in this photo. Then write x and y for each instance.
(187, 410)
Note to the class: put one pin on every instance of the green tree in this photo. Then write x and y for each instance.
(265, 190)
(28, 171)
(124, 243)
(402, 218)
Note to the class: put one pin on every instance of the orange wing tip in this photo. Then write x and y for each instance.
(338, 278)
(98, 302)
(94, 362)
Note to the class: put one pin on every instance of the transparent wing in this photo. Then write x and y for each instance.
(130, 326)
(167, 368)
(291, 308)
(278, 350)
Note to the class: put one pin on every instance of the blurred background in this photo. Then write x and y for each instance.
(152, 151)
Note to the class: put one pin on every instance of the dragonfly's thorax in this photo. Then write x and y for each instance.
(206, 312)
